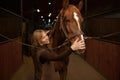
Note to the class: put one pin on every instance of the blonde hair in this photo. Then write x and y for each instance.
(37, 34)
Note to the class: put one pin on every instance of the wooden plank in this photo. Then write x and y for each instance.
(104, 57)
(10, 59)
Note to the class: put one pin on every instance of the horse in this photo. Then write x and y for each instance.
(66, 29)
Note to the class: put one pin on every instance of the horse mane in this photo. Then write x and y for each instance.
(56, 33)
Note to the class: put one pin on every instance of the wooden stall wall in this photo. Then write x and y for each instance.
(10, 58)
(10, 51)
(104, 57)
(102, 26)
(95, 7)
(103, 54)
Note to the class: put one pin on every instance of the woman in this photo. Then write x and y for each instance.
(41, 54)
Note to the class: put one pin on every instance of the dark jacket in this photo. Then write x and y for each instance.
(46, 54)
(42, 55)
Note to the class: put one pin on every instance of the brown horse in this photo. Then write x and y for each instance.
(66, 29)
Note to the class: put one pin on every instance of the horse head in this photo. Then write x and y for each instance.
(68, 25)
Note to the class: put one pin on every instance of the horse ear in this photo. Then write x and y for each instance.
(80, 5)
(65, 3)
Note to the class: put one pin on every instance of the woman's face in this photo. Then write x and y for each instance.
(44, 39)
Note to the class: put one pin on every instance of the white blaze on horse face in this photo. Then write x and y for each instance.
(77, 20)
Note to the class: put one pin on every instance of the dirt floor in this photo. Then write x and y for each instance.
(78, 69)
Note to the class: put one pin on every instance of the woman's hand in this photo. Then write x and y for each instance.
(78, 45)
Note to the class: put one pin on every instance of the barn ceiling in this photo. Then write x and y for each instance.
(45, 7)
(50, 8)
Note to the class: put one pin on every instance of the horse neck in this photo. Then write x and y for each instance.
(57, 38)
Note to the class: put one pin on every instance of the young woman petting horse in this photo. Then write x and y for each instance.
(42, 55)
